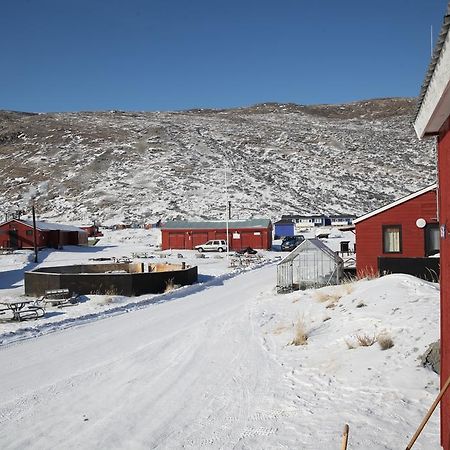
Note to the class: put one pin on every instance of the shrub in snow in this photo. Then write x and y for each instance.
(107, 301)
(369, 274)
(385, 341)
(323, 297)
(170, 286)
(347, 288)
(300, 333)
(361, 340)
(364, 340)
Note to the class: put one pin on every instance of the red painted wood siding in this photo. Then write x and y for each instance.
(444, 220)
(258, 238)
(369, 232)
(44, 238)
(24, 240)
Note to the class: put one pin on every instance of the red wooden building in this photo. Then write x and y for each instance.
(92, 230)
(19, 234)
(255, 233)
(406, 228)
(433, 119)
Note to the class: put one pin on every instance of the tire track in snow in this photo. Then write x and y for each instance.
(188, 374)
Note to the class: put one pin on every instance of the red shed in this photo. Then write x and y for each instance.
(19, 234)
(406, 228)
(433, 119)
(92, 230)
(255, 233)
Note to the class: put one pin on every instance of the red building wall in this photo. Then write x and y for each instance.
(44, 238)
(24, 240)
(93, 231)
(187, 239)
(444, 220)
(369, 232)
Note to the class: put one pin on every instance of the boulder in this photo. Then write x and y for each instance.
(432, 357)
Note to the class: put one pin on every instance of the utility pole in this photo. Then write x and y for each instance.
(229, 209)
(34, 235)
(227, 216)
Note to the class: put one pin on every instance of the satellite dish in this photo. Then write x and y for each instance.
(421, 223)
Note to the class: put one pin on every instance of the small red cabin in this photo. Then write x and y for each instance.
(18, 234)
(433, 120)
(255, 233)
(92, 230)
(406, 228)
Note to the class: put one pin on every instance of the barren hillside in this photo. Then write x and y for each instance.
(281, 158)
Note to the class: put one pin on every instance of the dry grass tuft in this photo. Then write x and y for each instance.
(111, 291)
(170, 285)
(320, 296)
(369, 274)
(301, 334)
(347, 288)
(107, 301)
(361, 340)
(385, 341)
(332, 299)
(364, 340)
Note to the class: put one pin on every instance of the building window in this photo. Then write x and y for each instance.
(392, 239)
(29, 233)
(432, 239)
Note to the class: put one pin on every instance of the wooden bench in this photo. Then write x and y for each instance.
(57, 293)
(60, 298)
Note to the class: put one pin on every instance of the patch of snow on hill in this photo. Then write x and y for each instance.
(148, 166)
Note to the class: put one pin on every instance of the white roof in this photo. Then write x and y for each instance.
(51, 226)
(434, 102)
(396, 203)
(307, 244)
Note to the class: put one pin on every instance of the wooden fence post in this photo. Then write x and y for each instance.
(345, 437)
(428, 414)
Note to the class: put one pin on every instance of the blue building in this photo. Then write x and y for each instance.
(283, 228)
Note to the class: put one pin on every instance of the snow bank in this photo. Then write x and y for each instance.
(382, 394)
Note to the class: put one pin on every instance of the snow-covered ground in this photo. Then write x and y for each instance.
(212, 365)
(138, 244)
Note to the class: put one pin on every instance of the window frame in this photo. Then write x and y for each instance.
(427, 240)
(400, 238)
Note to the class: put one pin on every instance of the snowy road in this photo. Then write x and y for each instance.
(187, 373)
(213, 370)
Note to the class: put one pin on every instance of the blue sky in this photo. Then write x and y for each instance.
(150, 55)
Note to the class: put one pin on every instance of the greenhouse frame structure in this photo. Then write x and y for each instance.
(312, 264)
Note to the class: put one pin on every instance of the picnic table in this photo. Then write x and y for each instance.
(21, 309)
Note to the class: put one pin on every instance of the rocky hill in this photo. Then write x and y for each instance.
(281, 158)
